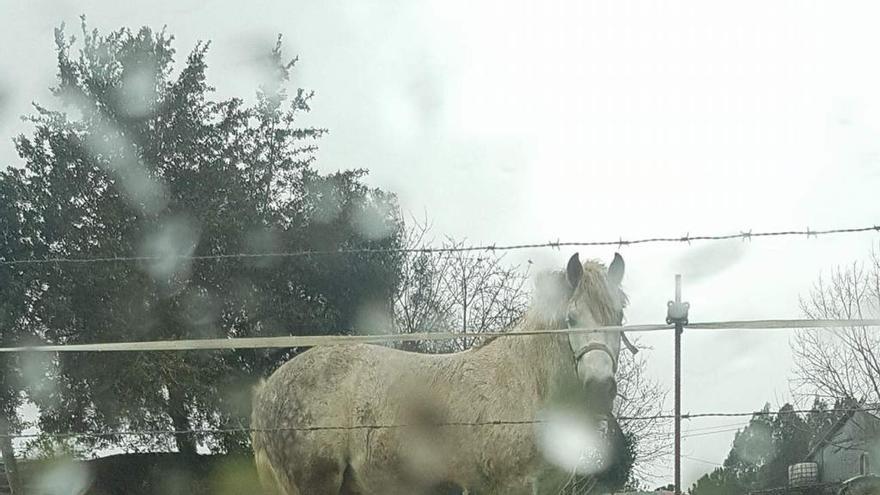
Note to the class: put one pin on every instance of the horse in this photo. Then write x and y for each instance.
(370, 419)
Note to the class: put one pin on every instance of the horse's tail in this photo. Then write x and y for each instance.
(269, 477)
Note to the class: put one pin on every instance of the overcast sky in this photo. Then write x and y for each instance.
(576, 120)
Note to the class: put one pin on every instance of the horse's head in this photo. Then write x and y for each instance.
(595, 299)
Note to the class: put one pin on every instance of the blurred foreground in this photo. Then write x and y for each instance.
(141, 474)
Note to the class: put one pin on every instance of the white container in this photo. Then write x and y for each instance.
(803, 473)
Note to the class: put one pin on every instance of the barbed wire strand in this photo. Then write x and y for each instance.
(715, 427)
(317, 428)
(687, 238)
(290, 341)
(708, 433)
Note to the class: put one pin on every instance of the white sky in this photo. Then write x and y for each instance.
(531, 121)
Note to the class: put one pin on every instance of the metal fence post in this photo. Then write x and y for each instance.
(677, 313)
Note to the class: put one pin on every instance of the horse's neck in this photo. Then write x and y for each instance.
(545, 354)
(534, 320)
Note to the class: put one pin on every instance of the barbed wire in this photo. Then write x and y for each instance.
(708, 433)
(318, 428)
(620, 242)
(845, 410)
(291, 341)
(739, 424)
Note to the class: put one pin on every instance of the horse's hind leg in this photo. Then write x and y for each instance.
(320, 477)
(350, 483)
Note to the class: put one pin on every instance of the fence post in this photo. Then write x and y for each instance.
(677, 313)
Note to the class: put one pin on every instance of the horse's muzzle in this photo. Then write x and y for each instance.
(600, 394)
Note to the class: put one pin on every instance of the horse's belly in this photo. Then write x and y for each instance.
(411, 460)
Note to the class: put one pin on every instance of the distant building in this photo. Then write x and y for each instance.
(850, 448)
(846, 460)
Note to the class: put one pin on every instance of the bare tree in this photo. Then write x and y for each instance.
(841, 363)
(456, 291)
(643, 396)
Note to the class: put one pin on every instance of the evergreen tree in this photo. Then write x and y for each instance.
(791, 444)
(141, 160)
(721, 481)
(16, 286)
(763, 450)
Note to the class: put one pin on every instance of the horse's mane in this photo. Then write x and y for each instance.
(552, 291)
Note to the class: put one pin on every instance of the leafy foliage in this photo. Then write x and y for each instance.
(142, 161)
(619, 473)
(15, 286)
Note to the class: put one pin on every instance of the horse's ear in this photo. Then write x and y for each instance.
(615, 271)
(574, 271)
